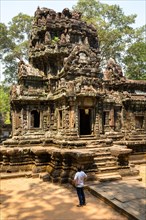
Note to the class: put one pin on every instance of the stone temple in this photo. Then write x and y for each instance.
(67, 112)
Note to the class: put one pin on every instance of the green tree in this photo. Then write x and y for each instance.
(113, 26)
(14, 44)
(116, 36)
(135, 61)
(135, 57)
(5, 104)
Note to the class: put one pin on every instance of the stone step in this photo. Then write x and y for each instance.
(137, 137)
(96, 159)
(102, 154)
(115, 136)
(138, 133)
(105, 164)
(109, 177)
(129, 178)
(99, 149)
(126, 142)
(92, 146)
(107, 169)
(143, 161)
(87, 137)
(99, 141)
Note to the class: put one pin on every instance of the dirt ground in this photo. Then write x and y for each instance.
(32, 199)
(142, 169)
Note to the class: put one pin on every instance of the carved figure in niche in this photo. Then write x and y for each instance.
(68, 61)
(111, 118)
(62, 82)
(86, 42)
(63, 38)
(118, 123)
(72, 119)
(80, 40)
(47, 37)
(67, 38)
(70, 86)
(78, 87)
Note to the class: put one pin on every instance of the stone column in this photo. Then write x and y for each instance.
(98, 122)
(73, 118)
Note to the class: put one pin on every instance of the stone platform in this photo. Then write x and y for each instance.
(126, 196)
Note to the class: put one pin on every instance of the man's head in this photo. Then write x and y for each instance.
(79, 169)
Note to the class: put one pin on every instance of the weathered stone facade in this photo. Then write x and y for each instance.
(64, 100)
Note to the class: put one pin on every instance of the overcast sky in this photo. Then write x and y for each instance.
(11, 8)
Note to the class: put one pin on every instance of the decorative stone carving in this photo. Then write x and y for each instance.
(122, 153)
(62, 95)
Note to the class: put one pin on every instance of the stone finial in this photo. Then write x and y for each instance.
(66, 12)
(76, 15)
(113, 70)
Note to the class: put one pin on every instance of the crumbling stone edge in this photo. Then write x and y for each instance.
(112, 204)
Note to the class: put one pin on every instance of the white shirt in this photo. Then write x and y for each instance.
(80, 178)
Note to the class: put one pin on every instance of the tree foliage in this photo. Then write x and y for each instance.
(5, 104)
(135, 61)
(115, 31)
(135, 58)
(14, 44)
(116, 36)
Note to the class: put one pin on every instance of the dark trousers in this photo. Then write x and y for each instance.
(81, 195)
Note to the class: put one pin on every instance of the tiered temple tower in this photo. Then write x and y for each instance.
(64, 98)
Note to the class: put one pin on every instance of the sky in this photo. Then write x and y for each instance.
(11, 8)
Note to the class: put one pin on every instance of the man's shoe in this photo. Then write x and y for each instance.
(79, 205)
(84, 204)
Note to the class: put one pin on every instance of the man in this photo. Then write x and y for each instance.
(79, 180)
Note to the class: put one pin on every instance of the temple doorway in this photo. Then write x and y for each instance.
(35, 119)
(85, 121)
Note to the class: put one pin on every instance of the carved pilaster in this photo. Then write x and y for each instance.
(112, 118)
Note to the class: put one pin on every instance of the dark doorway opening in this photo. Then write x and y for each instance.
(35, 119)
(139, 122)
(85, 121)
